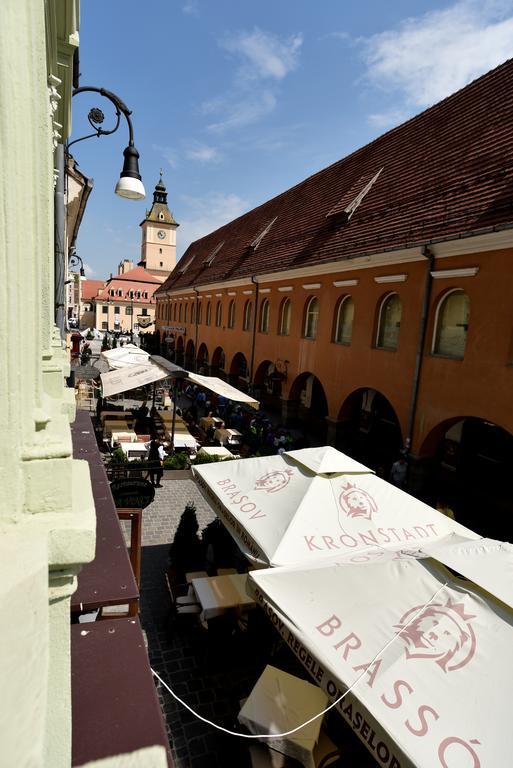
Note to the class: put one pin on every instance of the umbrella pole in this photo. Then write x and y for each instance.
(154, 392)
(173, 423)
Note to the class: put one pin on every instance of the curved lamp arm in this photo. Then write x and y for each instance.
(130, 184)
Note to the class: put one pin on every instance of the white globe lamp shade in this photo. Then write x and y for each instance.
(130, 188)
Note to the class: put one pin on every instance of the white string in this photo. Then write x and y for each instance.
(315, 717)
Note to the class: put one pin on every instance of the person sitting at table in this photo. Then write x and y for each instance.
(207, 421)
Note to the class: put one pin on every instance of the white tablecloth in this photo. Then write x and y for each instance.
(218, 593)
(280, 702)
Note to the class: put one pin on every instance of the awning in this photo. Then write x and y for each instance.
(427, 655)
(211, 383)
(130, 374)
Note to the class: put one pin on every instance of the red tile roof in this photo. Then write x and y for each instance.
(125, 286)
(447, 173)
(90, 288)
(139, 275)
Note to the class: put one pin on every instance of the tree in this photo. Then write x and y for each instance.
(105, 343)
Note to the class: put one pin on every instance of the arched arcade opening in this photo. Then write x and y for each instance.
(468, 464)
(308, 400)
(369, 430)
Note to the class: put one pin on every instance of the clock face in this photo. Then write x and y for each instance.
(161, 234)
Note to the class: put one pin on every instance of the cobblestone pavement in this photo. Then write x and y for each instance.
(212, 671)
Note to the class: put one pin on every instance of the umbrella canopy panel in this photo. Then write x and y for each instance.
(316, 504)
(423, 652)
(120, 357)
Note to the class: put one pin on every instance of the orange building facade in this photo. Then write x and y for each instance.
(372, 303)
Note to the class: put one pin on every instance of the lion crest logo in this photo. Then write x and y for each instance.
(442, 633)
(274, 481)
(356, 502)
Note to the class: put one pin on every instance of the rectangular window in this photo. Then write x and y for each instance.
(128, 310)
(105, 310)
(144, 311)
(104, 326)
(116, 310)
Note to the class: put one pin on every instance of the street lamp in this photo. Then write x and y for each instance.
(130, 184)
(74, 260)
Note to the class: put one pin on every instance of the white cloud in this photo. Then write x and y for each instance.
(388, 118)
(191, 8)
(89, 271)
(203, 153)
(264, 55)
(244, 111)
(167, 153)
(431, 56)
(205, 214)
(264, 60)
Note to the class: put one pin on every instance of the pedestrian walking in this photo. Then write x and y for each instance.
(156, 457)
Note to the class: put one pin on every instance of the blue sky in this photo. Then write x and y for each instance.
(237, 100)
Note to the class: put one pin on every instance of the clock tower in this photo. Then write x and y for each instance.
(158, 246)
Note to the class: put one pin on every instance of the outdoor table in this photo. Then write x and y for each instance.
(219, 593)
(114, 416)
(228, 436)
(123, 435)
(115, 708)
(184, 441)
(134, 450)
(115, 425)
(280, 702)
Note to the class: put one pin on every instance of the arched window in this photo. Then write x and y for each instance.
(193, 313)
(200, 312)
(264, 316)
(344, 321)
(180, 310)
(285, 314)
(219, 314)
(208, 314)
(185, 313)
(248, 315)
(452, 325)
(311, 318)
(389, 322)
(231, 314)
(174, 312)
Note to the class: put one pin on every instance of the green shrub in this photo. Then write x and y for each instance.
(177, 461)
(118, 457)
(206, 458)
(105, 343)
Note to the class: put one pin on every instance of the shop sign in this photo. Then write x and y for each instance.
(132, 492)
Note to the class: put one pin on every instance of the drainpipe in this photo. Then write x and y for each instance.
(196, 334)
(59, 258)
(420, 346)
(253, 340)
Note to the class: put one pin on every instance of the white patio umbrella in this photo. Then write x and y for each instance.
(429, 657)
(129, 354)
(314, 504)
